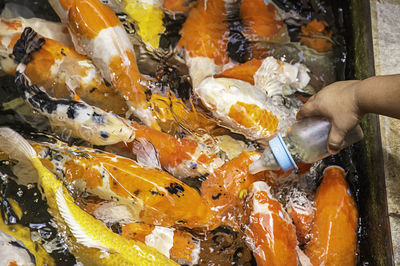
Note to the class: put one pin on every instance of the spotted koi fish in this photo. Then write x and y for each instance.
(68, 74)
(152, 196)
(11, 29)
(334, 233)
(97, 32)
(180, 157)
(89, 239)
(225, 190)
(82, 120)
(177, 6)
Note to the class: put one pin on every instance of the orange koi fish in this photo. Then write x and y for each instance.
(316, 36)
(272, 234)
(226, 188)
(69, 74)
(262, 22)
(11, 29)
(205, 39)
(153, 196)
(97, 32)
(333, 235)
(243, 71)
(177, 6)
(175, 244)
(180, 157)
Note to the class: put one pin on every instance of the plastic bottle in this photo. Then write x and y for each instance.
(306, 141)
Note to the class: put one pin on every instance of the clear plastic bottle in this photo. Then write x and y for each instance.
(306, 141)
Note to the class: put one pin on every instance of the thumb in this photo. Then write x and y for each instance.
(307, 110)
(336, 139)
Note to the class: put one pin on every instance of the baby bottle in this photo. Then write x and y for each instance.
(306, 141)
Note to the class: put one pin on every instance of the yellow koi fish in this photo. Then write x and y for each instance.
(90, 240)
(148, 16)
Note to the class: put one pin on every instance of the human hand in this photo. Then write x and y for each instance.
(339, 103)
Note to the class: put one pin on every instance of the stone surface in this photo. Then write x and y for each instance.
(385, 17)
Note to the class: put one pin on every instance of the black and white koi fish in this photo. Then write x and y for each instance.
(80, 119)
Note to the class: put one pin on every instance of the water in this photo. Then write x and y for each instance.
(223, 242)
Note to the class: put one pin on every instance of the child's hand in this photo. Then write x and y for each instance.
(338, 102)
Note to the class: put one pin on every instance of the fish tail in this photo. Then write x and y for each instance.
(15, 145)
(29, 43)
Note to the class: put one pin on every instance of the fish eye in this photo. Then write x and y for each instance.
(104, 134)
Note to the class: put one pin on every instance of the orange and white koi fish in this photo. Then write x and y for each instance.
(152, 196)
(13, 252)
(333, 235)
(10, 30)
(271, 232)
(272, 76)
(180, 157)
(262, 22)
(80, 119)
(205, 39)
(69, 75)
(226, 188)
(258, 110)
(242, 108)
(97, 32)
(175, 244)
(88, 239)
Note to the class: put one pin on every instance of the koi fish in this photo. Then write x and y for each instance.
(262, 22)
(180, 157)
(226, 188)
(333, 235)
(148, 16)
(175, 244)
(90, 241)
(205, 39)
(276, 78)
(177, 6)
(242, 108)
(152, 196)
(270, 230)
(82, 120)
(10, 30)
(67, 73)
(103, 38)
(316, 36)
(296, 193)
(14, 252)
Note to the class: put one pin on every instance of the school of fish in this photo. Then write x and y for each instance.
(153, 179)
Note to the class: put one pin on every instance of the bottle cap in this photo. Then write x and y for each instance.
(282, 154)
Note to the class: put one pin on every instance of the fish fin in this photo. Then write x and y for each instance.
(302, 258)
(146, 153)
(76, 229)
(19, 149)
(29, 43)
(15, 145)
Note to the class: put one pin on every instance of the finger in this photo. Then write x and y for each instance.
(336, 140)
(307, 110)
